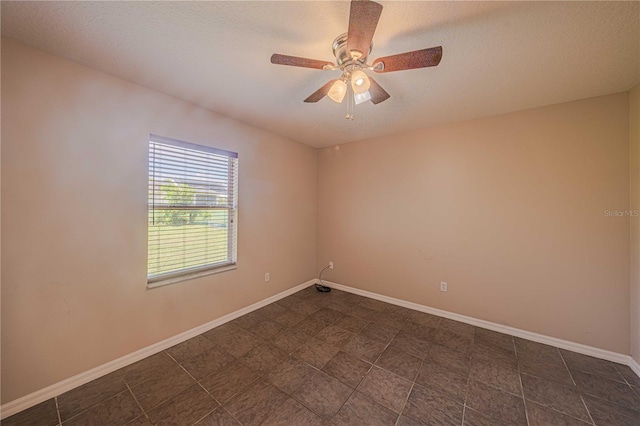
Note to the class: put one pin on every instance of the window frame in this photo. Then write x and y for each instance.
(231, 261)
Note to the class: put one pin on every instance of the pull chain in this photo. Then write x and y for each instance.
(350, 102)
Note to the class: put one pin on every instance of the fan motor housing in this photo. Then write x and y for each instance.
(341, 53)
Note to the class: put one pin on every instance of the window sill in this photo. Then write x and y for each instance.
(187, 277)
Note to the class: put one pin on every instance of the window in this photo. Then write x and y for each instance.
(193, 194)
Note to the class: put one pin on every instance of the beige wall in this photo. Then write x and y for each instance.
(509, 210)
(634, 195)
(74, 174)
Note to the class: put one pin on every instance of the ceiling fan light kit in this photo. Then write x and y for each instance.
(360, 82)
(337, 91)
(351, 51)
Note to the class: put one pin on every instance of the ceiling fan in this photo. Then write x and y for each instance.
(351, 51)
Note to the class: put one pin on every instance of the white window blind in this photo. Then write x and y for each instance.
(193, 194)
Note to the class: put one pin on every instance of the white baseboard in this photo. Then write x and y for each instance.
(27, 401)
(540, 338)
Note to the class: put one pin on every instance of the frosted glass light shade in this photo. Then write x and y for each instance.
(337, 91)
(360, 82)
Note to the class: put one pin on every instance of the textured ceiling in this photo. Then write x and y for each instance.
(498, 56)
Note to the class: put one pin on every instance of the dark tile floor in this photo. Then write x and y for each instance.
(342, 359)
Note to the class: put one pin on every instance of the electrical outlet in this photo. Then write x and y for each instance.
(267, 277)
(443, 286)
(330, 265)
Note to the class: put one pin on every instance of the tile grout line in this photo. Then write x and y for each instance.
(556, 410)
(405, 402)
(241, 390)
(466, 392)
(232, 416)
(499, 389)
(431, 343)
(201, 418)
(524, 401)
(496, 387)
(466, 395)
(137, 402)
(415, 377)
(598, 377)
(341, 406)
(542, 378)
(309, 408)
(278, 407)
(564, 361)
(209, 393)
(526, 410)
(609, 401)
(197, 382)
(355, 387)
(625, 380)
(543, 404)
(521, 396)
(623, 377)
(260, 377)
(183, 369)
(567, 367)
(58, 410)
(593, 422)
(96, 404)
(170, 398)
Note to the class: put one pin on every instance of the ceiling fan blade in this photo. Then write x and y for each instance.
(409, 60)
(296, 61)
(321, 92)
(363, 20)
(378, 94)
